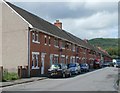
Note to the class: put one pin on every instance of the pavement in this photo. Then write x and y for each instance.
(21, 81)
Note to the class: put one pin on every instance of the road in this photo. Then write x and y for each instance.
(98, 80)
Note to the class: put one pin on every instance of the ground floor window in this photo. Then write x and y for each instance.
(35, 60)
(56, 59)
(77, 59)
(62, 59)
(73, 59)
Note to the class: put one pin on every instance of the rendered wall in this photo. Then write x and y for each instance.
(14, 39)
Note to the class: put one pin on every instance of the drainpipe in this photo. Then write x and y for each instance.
(29, 29)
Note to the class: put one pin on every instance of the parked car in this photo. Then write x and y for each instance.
(84, 67)
(97, 64)
(59, 70)
(118, 64)
(106, 64)
(74, 68)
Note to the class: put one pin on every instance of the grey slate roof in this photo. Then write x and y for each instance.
(44, 25)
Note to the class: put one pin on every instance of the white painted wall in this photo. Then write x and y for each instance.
(14, 40)
(0, 33)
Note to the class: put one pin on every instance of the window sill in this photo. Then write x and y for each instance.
(35, 67)
(56, 46)
(63, 48)
(45, 44)
(36, 42)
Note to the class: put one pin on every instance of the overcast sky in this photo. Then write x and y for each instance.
(84, 19)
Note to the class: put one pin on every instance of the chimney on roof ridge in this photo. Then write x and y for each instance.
(58, 24)
(86, 40)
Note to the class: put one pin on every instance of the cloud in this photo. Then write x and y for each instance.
(101, 24)
(84, 19)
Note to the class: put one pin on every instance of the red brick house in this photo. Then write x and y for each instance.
(45, 44)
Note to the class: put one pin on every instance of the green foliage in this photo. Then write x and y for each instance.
(7, 76)
(108, 44)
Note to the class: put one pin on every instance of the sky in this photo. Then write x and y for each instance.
(86, 19)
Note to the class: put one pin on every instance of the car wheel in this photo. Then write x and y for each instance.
(70, 75)
(77, 72)
(63, 75)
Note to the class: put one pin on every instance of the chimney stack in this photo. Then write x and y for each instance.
(86, 40)
(58, 24)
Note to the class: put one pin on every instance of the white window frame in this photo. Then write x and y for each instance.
(63, 47)
(49, 41)
(33, 37)
(57, 46)
(36, 37)
(45, 37)
(37, 57)
(73, 48)
(55, 55)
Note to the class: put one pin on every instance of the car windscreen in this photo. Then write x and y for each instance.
(83, 65)
(55, 66)
(72, 65)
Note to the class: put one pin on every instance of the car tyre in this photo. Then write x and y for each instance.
(63, 75)
(70, 75)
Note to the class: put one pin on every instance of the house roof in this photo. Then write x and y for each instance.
(44, 25)
(40, 23)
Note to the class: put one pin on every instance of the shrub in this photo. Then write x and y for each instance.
(8, 76)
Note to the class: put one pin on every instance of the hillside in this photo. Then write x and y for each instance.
(104, 42)
(108, 44)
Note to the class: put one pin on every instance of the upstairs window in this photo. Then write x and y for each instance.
(45, 40)
(73, 48)
(77, 49)
(56, 43)
(49, 41)
(63, 45)
(35, 37)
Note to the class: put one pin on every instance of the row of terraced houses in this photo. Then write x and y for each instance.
(28, 40)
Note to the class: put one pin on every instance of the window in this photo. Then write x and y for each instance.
(63, 45)
(35, 60)
(45, 40)
(73, 47)
(55, 59)
(70, 46)
(77, 49)
(49, 41)
(35, 37)
(73, 59)
(62, 58)
(56, 43)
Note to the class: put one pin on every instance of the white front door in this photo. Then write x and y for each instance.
(42, 62)
(51, 59)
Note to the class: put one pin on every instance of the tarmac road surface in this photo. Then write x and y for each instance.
(99, 80)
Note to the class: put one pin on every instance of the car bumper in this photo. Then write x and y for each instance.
(55, 74)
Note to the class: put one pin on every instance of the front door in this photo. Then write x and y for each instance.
(51, 59)
(42, 62)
